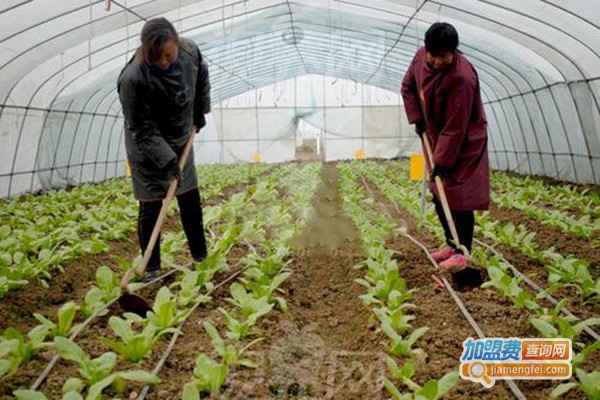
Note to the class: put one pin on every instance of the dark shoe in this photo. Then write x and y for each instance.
(200, 259)
(151, 275)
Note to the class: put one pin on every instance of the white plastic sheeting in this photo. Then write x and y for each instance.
(349, 117)
(60, 119)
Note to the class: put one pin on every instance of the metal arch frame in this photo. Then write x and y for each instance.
(482, 17)
(354, 71)
(505, 88)
(543, 114)
(77, 128)
(510, 67)
(574, 100)
(49, 111)
(575, 65)
(103, 130)
(546, 44)
(287, 2)
(346, 2)
(250, 85)
(505, 114)
(57, 142)
(490, 56)
(235, 15)
(83, 26)
(108, 147)
(111, 137)
(504, 122)
(119, 151)
(412, 16)
(570, 12)
(14, 6)
(520, 123)
(509, 78)
(40, 23)
(568, 34)
(118, 56)
(277, 5)
(87, 139)
(521, 95)
(101, 135)
(499, 100)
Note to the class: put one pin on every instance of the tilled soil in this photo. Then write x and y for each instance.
(496, 316)
(77, 277)
(324, 347)
(536, 270)
(17, 307)
(547, 236)
(327, 346)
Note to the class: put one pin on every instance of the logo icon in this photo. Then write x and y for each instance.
(487, 360)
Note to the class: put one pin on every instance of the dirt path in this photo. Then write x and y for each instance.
(324, 346)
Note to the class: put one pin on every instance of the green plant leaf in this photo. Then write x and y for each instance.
(562, 389)
(190, 392)
(429, 390)
(393, 390)
(69, 350)
(446, 383)
(72, 396)
(545, 328)
(73, 385)
(66, 315)
(140, 376)
(29, 395)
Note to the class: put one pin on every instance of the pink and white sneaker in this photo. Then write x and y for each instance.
(456, 261)
(443, 254)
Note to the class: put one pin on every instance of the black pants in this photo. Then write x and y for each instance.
(464, 222)
(191, 218)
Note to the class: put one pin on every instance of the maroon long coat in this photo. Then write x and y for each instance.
(449, 101)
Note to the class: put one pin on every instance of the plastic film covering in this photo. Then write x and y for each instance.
(61, 123)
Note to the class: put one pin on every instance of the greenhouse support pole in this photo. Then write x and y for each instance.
(362, 134)
(423, 191)
(257, 122)
(324, 117)
(296, 116)
(319, 143)
(222, 135)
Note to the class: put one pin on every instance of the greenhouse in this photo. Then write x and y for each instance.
(399, 199)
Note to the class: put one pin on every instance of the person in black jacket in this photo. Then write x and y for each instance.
(165, 93)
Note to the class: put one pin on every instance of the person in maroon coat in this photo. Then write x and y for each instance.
(442, 97)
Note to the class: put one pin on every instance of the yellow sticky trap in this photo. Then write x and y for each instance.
(256, 158)
(359, 154)
(417, 164)
(127, 168)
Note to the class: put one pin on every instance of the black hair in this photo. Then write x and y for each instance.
(440, 38)
(155, 33)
